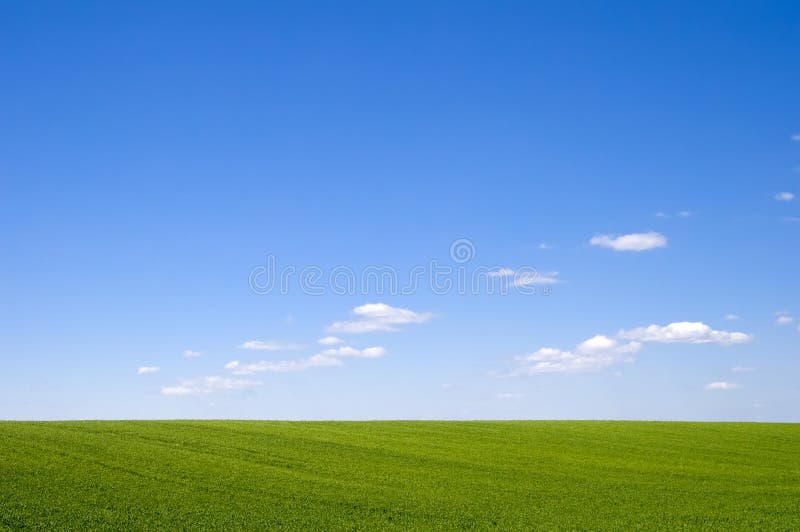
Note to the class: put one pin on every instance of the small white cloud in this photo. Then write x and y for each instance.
(282, 366)
(258, 345)
(796, 137)
(347, 351)
(374, 317)
(531, 278)
(661, 215)
(732, 317)
(544, 246)
(784, 196)
(327, 358)
(208, 385)
(721, 385)
(188, 353)
(784, 320)
(742, 369)
(330, 340)
(501, 272)
(684, 214)
(510, 395)
(593, 354)
(684, 332)
(144, 370)
(630, 242)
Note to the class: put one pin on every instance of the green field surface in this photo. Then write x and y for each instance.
(520, 475)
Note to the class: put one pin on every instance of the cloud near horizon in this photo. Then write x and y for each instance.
(208, 385)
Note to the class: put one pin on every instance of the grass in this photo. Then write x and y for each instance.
(409, 475)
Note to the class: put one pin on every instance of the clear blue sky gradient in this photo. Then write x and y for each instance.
(152, 154)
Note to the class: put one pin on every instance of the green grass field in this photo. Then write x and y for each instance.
(410, 475)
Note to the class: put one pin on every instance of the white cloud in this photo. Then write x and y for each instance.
(258, 345)
(545, 246)
(684, 332)
(282, 366)
(796, 137)
(599, 352)
(330, 340)
(526, 276)
(501, 272)
(347, 351)
(208, 385)
(679, 214)
(721, 385)
(784, 196)
(732, 317)
(188, 353)
(783, 318)
(327, 358)
(593, 354)
(144, 370)
(631, 242)
(742, 369)
(374, 317)
(530, 278)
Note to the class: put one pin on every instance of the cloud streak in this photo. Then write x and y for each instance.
(630, 242)
(378, 317)
(208, 385)
(258, 345)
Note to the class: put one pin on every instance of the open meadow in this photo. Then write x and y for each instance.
(407, 475)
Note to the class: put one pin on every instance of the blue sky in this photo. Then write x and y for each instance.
(639, 158)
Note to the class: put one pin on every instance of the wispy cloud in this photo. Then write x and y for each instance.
(188, 353)
(282, 366)
(784, 196)
(510, 395)
(679, 214)
(630, 242)
(796, 137)
(544, 246)
(721, 385)
(742, 369)
(526, 277)
(330, 340)
(684, 332)
(782, 317)
(732, 317)
(208, 385)
(374, 317)
(144, 370)
(327, 358)
(258, 345)
(535, 278)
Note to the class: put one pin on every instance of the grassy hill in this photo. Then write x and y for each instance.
(420, 475)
